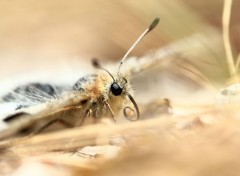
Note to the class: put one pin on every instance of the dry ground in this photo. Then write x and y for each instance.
(50, 39)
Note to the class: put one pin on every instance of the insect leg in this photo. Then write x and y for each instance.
(111, 111)
(48, 124)
(87, 114)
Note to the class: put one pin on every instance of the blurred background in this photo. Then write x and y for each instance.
(58, 36)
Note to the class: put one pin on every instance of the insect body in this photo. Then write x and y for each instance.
(95, 95)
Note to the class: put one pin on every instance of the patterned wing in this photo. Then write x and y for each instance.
(38, 103)
(34, 93)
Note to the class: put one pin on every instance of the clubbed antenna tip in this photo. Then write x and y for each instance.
(154, 24)
(151, 27)
(95, 63)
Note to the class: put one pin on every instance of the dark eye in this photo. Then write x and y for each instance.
(116, 89)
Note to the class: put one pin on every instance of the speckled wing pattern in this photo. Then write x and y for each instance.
(46, 95)
(53, 101)
(32, 94)
(37, 93)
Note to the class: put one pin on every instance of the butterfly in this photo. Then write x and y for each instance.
(39, 105)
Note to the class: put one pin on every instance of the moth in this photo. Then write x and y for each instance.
(96, 95)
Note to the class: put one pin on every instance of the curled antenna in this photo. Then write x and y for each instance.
(135, 106)
(96, 64)
(151, 27)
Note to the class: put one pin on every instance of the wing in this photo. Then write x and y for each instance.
(37, 93)
(71, 107)
(36, 104)
(33, 94)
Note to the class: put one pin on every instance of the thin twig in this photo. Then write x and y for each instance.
(226, 38)
(238, 63)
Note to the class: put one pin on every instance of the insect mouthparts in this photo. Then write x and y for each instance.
(44, 104)
(115, 88)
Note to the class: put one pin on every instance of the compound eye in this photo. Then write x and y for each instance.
(116, 89)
